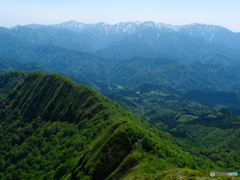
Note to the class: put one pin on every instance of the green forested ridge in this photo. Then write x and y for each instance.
(52, 128)
(162, 71)
(189, 116)
(199, 76)
(37, 139)
(132, 152)
(9, 80)
(7, 64)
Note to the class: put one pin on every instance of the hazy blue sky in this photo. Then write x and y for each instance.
(176, 12)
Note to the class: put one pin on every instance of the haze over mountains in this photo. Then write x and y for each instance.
(183, 80)
(211, 33)
(62, 50)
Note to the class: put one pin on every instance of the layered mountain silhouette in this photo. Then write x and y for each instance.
(119, 72)
(193, 42)
(181, 83)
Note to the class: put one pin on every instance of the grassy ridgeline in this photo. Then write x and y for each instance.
(53, 128)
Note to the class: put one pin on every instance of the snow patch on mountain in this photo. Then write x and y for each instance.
(123, 29)
(137, 23)
(131, 27)
(211, 38)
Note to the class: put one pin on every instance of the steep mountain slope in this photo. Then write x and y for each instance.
(52, 128)
(49, 98)
(12, 64)
(7, 64)
(10, 80)
(212, 33)
(137, 70)
(56, 58)
(213, 131)
(59, 37)
(89, 37)
(176, 46)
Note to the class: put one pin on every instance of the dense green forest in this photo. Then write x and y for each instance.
(152, 95)
(169, 108)
(53, 128)
(9, 80)
(7, 64)
(200, 119)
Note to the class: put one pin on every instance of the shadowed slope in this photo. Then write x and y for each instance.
(9, 80)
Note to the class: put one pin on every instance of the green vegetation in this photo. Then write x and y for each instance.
(7, 64)
(47, 122)
(10, 80)
(146, 97)
(215, 132)
(53, 128)
(125, 149)
(12, 64)
(137, 70)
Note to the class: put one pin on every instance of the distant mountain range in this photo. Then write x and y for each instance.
(211, 33)
(194, 42)
(130, 72)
